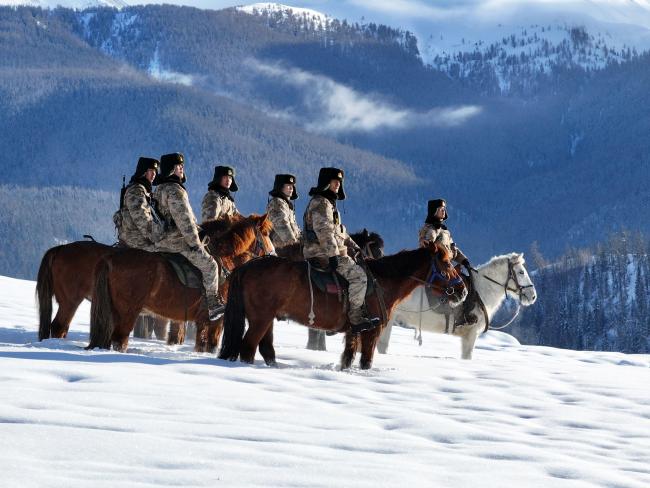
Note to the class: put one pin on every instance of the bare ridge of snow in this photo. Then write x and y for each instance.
(158, 415)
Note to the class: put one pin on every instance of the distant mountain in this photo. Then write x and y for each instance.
(559, 158)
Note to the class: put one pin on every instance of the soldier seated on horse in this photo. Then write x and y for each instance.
(326, 241)
(136, 222)
(434, 230)
(219, 201)
(281, 211)
(181, 234)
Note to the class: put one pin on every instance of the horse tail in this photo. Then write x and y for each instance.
(44, 294)
(234, 318)
(101, 309)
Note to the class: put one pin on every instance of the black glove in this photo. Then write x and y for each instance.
(466, 264)
(333, 262)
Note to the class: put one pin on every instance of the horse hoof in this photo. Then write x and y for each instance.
(272, 364)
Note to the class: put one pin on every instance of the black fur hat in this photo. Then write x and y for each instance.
(432, 206)
(167, 163)
(281, 180)
(145, 164)
(220, 171)
(325, 175)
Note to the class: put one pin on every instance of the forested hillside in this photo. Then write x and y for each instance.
(593, 299)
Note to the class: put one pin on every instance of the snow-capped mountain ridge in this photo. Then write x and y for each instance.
(533, 51)
(308, 16)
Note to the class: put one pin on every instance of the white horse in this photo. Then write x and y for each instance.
(500, 276)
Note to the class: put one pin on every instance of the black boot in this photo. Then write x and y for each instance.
(467, 316)
(365, 324)
(216, 309)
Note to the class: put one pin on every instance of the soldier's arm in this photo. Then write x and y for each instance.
(280, 221)
(458, 256)
(181, 211)
(427, 234)
(136, 203)
(210, 207)
(348, 241)
(323, 222)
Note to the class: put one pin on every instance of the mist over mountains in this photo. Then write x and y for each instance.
(549, 147)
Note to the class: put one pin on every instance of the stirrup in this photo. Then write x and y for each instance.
(365, 324)
(467, 320)
(216, 311)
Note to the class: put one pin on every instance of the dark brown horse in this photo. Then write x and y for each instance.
(130, 281)
(67, 273)
(273, 287)
(372, 247)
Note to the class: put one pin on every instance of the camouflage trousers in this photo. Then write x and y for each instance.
(358, 282)
(209, 271)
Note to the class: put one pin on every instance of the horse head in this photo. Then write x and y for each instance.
(239, 239)
(371, 244)
(519, 282)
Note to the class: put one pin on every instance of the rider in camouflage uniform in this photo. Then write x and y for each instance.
(434, 230)
(137, 224)
(281, 211)
(181, 232)
(219, 202)
(326, 240)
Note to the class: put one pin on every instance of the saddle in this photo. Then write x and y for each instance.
(327, 281)
(436, 291)
(187, 273)
(331, 282)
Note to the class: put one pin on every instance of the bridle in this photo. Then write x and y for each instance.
(512, 276)
(259, 251)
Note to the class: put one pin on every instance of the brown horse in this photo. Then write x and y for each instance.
(130, 281)
(372, 247)
(67, 273)
(273, 287)
(157, 290)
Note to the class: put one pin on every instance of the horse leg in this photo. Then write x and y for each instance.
(351, 344)
(468, 341)
(316, 340)
(160, 328)
(266, 348)
(252, 338)
(141, 329)
(176, 333)
(384, 339)
(368, 343)
(61, 323)
(214, 335)
(124, 322)
(201, 340)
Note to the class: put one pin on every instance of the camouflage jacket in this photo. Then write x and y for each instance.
(181, 231)
(428, 233)
(217, 206)
(134, 221)
(283, 217)
(324, 235)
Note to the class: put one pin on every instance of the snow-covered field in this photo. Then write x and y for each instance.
(515, 416)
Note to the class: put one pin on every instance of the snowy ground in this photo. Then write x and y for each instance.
(159, 416)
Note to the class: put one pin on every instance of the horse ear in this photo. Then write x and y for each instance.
(365, 232)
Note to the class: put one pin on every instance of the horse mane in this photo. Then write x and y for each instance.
(515, 257)
(364, 236)
(404, 263)
(233, 236)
